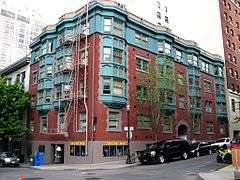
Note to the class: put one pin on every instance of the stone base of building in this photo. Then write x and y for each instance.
(75, 152)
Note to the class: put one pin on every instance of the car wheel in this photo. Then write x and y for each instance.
(1, 164)
(198, 154)
(161, 159)
(219, 159)
(209, 151)
(184, 155)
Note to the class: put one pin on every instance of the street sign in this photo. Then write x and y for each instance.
(130, 134)
(126, 128)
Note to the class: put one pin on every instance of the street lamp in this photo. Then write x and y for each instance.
(128, 161)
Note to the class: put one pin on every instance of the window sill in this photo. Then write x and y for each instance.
(167, 132)
(114, 130)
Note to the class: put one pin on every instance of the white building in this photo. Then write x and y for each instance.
(17, 29)
(160, 13)
(18, 71)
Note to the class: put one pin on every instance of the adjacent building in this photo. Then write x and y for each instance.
(18, 72)
(230, 19)
(83, 76)
(17, 29)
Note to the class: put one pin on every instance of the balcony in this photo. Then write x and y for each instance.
(114, 101)
(44, 106)
(61, 79)
(59, 104)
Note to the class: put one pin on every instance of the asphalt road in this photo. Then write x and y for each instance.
(176, 170)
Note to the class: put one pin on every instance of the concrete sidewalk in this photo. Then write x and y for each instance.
(98, 166)
(226, 173)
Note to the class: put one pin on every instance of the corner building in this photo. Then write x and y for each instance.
(89, 127)
(230, 20)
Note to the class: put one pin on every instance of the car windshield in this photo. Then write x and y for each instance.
(155, 145)
(195, 145)
(220, 140)
(8, 154)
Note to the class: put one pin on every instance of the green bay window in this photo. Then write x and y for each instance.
(106, 54)
(117, 56)
(107, 24)
(117, 87)
(118, 27)
(106, 86)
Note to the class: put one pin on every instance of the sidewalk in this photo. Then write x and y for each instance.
(98, 166)
(226, 173)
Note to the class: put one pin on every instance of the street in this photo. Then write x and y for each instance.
(180, 170)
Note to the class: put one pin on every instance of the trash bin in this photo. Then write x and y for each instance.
(40, 158)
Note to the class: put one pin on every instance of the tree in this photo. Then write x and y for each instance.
(13, 102)
(157, 91)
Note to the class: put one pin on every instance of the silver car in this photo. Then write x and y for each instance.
(8, 159)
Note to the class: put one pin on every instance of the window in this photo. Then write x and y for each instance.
(48, 94)
(106, 86)
(82, 121)
(49, 46)
(228, 44)
(142, 64)
(167, 124)
(118, 87)
(196, 123)
(181, 102)
(208, 106)
(236, 75)
(117, 56)
(107, 24)
(195, 60)
(207, 86)
(167, 48)
(61, 122)
(209, 127)
(44, 49)
(233, 105)
(49, 70)
(231, 31)
(220, 71)
(43, 124)
(160, 47)
(18, 78)
(114, 120)
(190, 81)
(141, 92)
(81, 88)
(189, 59)
(205, 66)
(118, 27)
(77, 150)
(231, 72)
(23, 75)
(227, 29)
(143, 121)
(31, 126)
(114, 150)
(141, 39)
(106, 54)
(178, 55)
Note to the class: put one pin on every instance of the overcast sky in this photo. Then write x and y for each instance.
(196, 20)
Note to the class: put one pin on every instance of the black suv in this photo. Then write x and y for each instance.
(162, 151)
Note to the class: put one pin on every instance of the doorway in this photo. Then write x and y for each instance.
(57, 153)
(182, 131)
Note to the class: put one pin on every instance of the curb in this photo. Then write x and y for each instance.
(82, 168)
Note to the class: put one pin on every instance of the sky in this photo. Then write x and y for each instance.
(197, 20)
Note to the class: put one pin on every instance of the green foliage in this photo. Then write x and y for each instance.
(158, 91)
(13, 102)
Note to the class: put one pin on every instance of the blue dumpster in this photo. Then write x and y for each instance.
(38, 159)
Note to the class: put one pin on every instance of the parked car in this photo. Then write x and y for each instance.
(220, 142)
(201, 148)
(224, 154)
(161, 152)
(8, 159)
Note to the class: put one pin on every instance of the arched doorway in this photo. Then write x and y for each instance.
(182, 131)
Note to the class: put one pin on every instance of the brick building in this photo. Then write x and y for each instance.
(80, 106)
(230, 19)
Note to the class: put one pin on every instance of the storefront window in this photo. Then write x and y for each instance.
(114, 150)
(77, 150)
